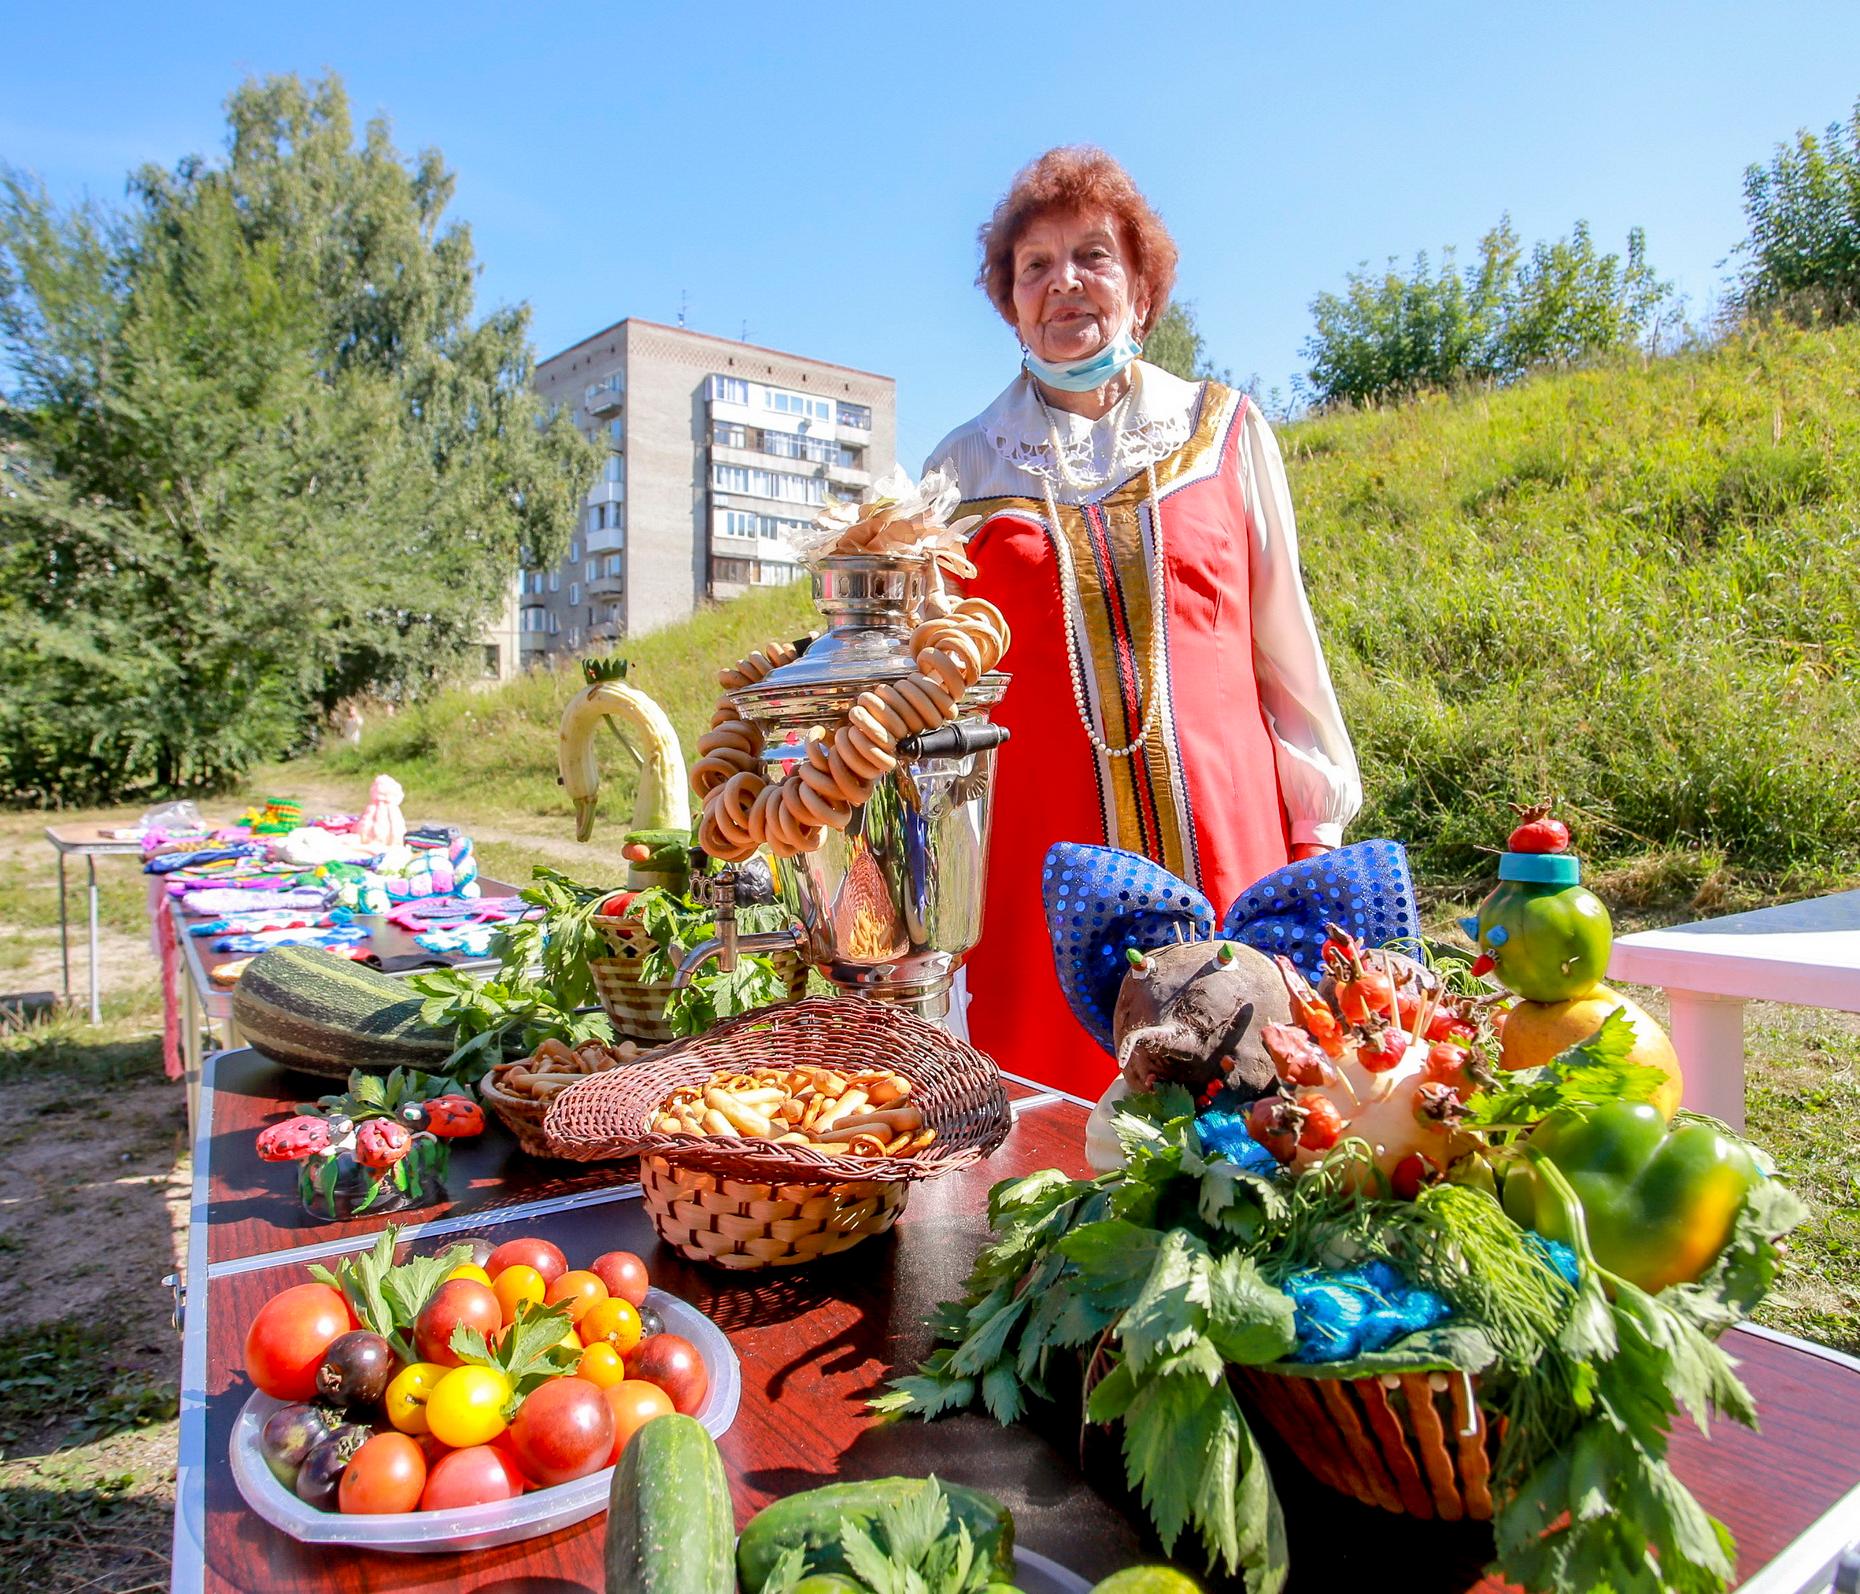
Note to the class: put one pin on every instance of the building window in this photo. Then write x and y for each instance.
(616, 434)
(729, 389)
(574, 636)
(851, 457)
(555, 624)
(768, 484)
(555, 580)
(728, 434)
(614, 566)
(574, 549)
(615, 470)
(737, 570)
(591, 569)
(792, 445)
(574, 594)
(855, 415)
(493, 661)
(785, 403)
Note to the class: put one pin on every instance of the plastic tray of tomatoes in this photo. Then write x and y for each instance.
(473, 1527)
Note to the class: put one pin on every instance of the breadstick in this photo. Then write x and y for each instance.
(743, 1120)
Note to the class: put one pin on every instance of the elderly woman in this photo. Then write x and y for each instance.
(1169, 694)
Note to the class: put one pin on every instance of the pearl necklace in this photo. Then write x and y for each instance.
(1151, 697)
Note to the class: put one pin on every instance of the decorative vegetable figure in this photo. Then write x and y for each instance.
(1542, 934)
(661, 803)
(381, 1142)
(1658, 1205)
(449, 1117)
(1194, 1014)
(294, 1139)
(379, 1146)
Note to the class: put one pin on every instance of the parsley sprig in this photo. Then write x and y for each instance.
(529, 1353)
(914, 1545)
(388, 1296)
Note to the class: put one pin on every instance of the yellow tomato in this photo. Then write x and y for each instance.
(467, 1406)
(515, 1285)
(577, 1290)
(614, 1321)
(601, 1365)
(468, 1270)
(408, 1393)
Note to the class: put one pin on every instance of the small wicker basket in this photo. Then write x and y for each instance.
(1416, 1443)
(637, 1005)
(523, 1115)
(744, 1203)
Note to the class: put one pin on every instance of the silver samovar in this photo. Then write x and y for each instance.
(889, 907)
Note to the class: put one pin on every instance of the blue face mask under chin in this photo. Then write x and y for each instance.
(1081, 376)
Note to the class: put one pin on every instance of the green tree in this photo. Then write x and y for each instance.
(1802, 256)
(1175, 343)
(1392, 334)
(259, 454)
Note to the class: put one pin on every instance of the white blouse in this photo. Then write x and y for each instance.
(1007, 452)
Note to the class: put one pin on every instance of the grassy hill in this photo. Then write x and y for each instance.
(1635, 588)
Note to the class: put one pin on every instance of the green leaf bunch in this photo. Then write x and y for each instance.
(388, 1296)
(914, 1545)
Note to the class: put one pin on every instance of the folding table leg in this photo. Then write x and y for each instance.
(1708, 1034)
(96, 1006)
(64, 927)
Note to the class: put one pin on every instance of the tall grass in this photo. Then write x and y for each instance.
(1635, 589)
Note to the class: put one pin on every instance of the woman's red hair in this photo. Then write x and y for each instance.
(1077, 178)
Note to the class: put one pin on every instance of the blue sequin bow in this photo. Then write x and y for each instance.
(1101, 902)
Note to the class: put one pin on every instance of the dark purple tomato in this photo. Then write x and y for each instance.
(319, 1478)
(291, 1433)
(356, 1369)
(650, 1322)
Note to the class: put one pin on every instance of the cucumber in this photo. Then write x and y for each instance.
(669, 1518)
(812, 1522)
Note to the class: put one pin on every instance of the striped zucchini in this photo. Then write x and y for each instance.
(310, 1009)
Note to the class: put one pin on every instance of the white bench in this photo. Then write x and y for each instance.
(1804, 953)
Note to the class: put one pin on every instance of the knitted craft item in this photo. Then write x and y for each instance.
(260, 923)
(231, 900)
(382, 825)
(1102, 903)
(169, 862)
(336, 936)
(472, 939)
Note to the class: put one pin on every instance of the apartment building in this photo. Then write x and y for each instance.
(715, 453)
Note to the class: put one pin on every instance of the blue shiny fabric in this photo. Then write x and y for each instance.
(1102, 902)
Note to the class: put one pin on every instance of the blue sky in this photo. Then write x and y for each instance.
(815, 173)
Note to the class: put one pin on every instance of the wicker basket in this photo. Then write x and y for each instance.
(1417, 1443)
(637, 1005)
(745, 1203)
(523, 1116)
(738, 1224)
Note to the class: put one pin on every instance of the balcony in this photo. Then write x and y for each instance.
(603, 398)
(606, 586)
(606, 493)
(607, 539)
(849, 475)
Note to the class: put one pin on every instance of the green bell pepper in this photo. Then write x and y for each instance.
(1658, 1205)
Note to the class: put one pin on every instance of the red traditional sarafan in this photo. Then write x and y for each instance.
(1202, 797)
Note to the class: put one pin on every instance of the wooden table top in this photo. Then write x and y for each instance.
(816, 1343)
(91, 838)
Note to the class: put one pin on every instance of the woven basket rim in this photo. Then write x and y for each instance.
(697, 1057)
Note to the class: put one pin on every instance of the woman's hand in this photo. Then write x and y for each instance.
(1308, 849)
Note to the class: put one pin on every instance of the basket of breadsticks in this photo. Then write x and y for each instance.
(520, 1090)
(791, 1133)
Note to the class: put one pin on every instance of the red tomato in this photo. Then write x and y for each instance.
(672, 1362)
(563, 1431)
(387, 1475)
(634, 1403)
(624, 1275)
(539, 1254)
(457, 1303)
(479, 1475)
(285, 1344)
